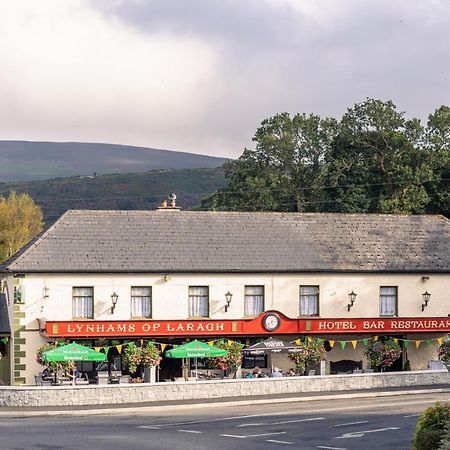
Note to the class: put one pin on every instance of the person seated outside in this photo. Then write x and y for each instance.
(276, 373)
(47, 374)
(74, 375)
(291, 372)
(257, 372)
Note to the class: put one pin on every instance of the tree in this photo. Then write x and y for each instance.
(284, 170)
(20, 221)
(373, 160)
(437, 145)
(376, 163)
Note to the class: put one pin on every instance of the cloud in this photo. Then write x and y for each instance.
(200, 75)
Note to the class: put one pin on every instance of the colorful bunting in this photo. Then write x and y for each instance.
(343, 344)
(331, 343)
(163, 346)
(354, 343)
(418, 343)
(119, 348)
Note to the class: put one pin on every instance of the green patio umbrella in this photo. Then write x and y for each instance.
(73, 352)
(195, 349)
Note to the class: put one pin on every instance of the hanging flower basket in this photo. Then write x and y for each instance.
(147, 355)
(444, 352)
(383, 353)
(232, 360)
(311, 352)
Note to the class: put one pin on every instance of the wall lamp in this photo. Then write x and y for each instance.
(352, 298)
(114, 299)
(426, 298)
(228, 297)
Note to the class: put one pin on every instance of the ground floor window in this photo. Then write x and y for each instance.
(250, 362)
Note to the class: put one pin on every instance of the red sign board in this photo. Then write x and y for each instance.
(391, 325)
(254, 327)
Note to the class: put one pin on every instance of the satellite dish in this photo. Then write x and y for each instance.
(172, 197)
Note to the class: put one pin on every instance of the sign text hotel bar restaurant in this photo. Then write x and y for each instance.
(243, 327)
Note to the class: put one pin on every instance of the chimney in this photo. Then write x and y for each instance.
(172, 204)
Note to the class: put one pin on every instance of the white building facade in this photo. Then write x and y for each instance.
(105, 278)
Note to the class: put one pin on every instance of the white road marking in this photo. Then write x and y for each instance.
(279, 442)
(259, 424)
(250, 424)
(331, 448)
(252, 435)
(290, 413)
(190, 431)
(296, 420)
(149, 427)
(358, 434)
(413, 415)
(350, 423)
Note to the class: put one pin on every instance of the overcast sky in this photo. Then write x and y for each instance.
(201, 75)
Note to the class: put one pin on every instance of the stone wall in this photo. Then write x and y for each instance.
(34, 396)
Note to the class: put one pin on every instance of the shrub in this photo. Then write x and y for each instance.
(445, 443)
(431, 427)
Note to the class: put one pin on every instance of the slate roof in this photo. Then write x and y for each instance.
(198, 241)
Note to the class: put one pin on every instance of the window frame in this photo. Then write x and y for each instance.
(262, 286)
(317, 288)
(83, 297)
(395, 313)
(150, 297)
(190, 296)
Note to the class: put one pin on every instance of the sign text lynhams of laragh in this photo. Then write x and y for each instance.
(243, 327)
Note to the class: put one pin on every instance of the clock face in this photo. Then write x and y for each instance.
(271, 322)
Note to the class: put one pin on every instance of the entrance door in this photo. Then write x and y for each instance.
(5, 368)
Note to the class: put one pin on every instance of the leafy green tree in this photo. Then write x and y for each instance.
(437, 145)
(373, 160)
(376, 163)
(20, 221)
(284, 171)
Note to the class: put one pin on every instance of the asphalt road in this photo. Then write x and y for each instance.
(367, 423)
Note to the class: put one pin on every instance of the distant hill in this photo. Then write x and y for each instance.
(120, 191)
(24, 161)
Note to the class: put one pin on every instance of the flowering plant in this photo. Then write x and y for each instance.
(148, 355)
(311, 351)
(444, 351)
(232, 360)
(383, 353)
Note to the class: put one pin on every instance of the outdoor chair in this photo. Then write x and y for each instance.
(312, 372)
